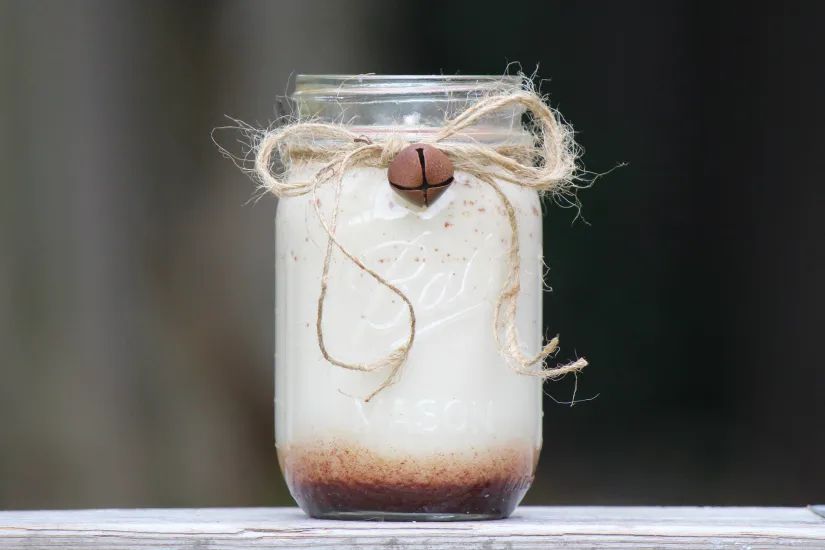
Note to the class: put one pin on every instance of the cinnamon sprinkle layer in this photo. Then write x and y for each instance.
(334, 478)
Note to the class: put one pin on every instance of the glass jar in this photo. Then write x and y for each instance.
(458, 435)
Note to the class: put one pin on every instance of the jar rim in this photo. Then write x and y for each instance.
(318, 86)
(376, 104)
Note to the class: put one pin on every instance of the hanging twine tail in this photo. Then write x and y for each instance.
(395, 360)
(504, 317)
(547, 165)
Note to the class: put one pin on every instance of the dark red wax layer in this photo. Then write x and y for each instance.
(332, 479)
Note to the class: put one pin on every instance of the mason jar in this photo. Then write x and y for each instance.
(457, 434)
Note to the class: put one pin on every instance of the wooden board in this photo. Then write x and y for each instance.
(530, 527)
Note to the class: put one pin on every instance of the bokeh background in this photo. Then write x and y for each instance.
(136, 279)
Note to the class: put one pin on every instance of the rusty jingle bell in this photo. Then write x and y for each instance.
(420, 173)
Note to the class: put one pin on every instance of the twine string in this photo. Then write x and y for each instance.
(546, 165)
(395, 360)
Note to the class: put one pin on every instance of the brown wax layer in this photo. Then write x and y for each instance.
(338, 477)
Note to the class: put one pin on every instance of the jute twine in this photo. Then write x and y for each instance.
(547, 164)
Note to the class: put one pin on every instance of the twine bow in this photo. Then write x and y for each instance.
(547, 165)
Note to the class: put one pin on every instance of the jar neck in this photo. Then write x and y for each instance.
(411, 106)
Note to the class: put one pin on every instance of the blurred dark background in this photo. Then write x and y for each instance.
(136, 280)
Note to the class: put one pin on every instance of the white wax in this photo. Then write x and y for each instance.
(456, 392)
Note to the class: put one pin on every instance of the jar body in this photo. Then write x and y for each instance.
(458, 435)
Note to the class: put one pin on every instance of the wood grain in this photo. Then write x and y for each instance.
(530, 527)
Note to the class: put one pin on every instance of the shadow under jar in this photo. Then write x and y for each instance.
(458, 435)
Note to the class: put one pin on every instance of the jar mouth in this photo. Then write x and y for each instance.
(403, 103)
(341, 86)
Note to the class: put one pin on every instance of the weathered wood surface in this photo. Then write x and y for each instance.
(573, 527)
